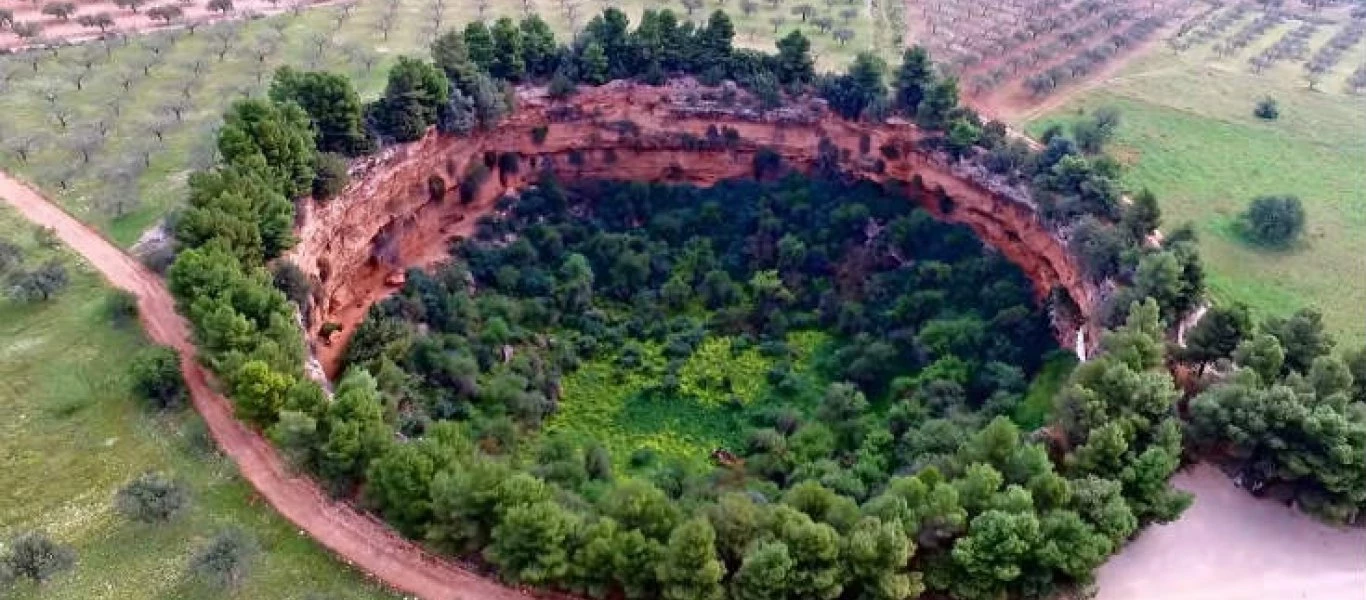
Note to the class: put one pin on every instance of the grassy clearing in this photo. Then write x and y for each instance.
(1190, 136)
(132, 178)
(75, 434)
(608, 403)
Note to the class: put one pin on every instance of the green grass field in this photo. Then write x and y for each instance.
(132, 177)
(74, 434)
(1188, 133)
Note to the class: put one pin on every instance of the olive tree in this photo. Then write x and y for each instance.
(226, 559)
(152, 498)
(101, 20)
(35, 556)
(1274, 221)
(61, 10)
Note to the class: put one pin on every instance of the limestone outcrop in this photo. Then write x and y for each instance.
(407, 203)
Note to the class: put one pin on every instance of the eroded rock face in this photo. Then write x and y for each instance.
(404, 206)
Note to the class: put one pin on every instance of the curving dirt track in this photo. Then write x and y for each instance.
(354, 537)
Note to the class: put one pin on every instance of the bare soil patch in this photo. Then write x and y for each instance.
(1232, 546)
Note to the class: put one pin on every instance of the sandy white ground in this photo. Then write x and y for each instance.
(1232, 546)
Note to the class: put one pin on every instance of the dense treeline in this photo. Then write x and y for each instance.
(1282, 411)
(899, 477)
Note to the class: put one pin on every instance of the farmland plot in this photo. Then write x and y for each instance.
(1189, 134)
(111, 128)
(1012, 55)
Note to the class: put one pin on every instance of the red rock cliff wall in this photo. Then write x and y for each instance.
(356, 244)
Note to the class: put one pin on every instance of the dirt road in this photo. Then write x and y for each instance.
(1228, 546)
(356, 538)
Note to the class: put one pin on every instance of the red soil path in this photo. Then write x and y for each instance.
(355, 537)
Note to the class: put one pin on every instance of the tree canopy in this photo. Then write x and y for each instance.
(878, 461)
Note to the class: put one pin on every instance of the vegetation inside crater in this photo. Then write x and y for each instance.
(668, 319)
(646, 363)
(875, 456)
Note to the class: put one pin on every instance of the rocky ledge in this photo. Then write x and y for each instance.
(407, 203)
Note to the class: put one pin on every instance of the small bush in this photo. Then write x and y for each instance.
(1267, 109)
(11, 256)
(474, 179)
(1275, 221)
(509, 162)
(330, 175)
(122, 307)
(46, 236)
(157, 378)
(291, 280)
(561, 87)
(40, 284)
(152, 498)
(539, 133)
(643, 457)
(35, 556)
(436, 188)
(159, 259)
(767, 162)
(195, 433)
(330, 328)
(226, 559)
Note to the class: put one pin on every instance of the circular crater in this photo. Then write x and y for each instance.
(639, 311)
(412, 200)
(661, 324)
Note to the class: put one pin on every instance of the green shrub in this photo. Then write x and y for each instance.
(46, 237)
(40, 284)
(33, 555)
(226, 559)
(436, 188)
(475, 177)
(11, 256)
(122, 307)
(152, 498)
(509, 162)
(157, 377)
(291, 280)
(561, 87)
(1275, 221)
(329, 175)
(1267, 109)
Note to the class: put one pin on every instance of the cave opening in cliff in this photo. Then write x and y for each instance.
(667, 323)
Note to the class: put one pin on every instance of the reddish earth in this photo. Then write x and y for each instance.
(355, 537)
(389, 219)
